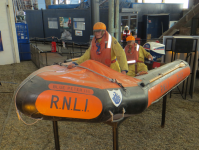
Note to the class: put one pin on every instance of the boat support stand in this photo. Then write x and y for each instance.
(114, 125)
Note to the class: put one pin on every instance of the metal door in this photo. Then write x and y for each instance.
(129, 19)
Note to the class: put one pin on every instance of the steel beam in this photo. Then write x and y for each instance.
(95, 11)
(117, 19)
(111, 17)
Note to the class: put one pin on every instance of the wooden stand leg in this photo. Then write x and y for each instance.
(115, 137)
(56, 135)
(163, 110)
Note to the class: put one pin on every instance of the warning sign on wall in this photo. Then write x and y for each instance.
(78, 33)
(52, 23)
(79, 25)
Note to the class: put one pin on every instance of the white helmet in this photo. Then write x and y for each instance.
(126, 28)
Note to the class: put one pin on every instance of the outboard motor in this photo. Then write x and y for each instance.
(157, 50)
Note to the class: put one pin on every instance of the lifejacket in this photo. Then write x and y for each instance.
(125, 35)
(103, 54)
(132, 54)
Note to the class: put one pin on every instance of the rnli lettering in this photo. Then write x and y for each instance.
(164, 87)
(66, 104)
(86, 105)
(180, 77)
(54, 101)
(69, 88)
(75, 106)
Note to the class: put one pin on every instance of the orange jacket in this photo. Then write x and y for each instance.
(102, 51)
(132, 53)
(125, 35)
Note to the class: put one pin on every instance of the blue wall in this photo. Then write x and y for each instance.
(174, 10)
(34, 18)
(36, 23)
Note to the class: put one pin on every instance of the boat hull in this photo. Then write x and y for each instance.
(40, 96)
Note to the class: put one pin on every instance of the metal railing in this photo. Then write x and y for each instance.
(40, 57)
(37, 58)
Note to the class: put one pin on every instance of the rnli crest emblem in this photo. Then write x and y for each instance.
(116, 97)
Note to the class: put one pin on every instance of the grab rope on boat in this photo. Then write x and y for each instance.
(120, 84)
(182, 64)
(21, 85)
(160, 75)
(111, 80)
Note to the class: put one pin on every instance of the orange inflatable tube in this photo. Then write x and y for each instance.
(93, 92)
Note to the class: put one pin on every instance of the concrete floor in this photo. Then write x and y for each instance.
(140, 132)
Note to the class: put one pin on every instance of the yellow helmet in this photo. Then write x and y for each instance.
(99, 26)
(130, 38)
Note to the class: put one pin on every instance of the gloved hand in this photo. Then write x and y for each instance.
(150, 57)
(123, 72)
(141, 73)
(70, 66)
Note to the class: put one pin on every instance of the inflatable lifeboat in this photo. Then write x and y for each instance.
(92, 92)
